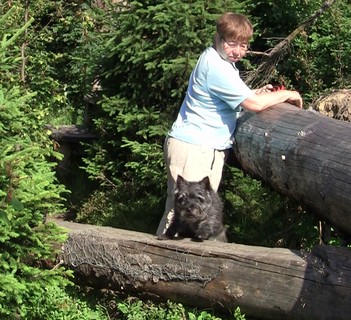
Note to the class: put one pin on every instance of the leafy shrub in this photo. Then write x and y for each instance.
(138, 310)
(124, 209)
(258, 215)
(28, 193)
(318, 59)
(57, 304)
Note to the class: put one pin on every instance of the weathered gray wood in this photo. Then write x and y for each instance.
(302, 154)
(70, 134)
(266, 283)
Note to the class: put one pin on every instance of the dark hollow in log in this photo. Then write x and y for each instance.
(302, 154)
(266, 283)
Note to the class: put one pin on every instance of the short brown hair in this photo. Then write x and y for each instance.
(234, 26)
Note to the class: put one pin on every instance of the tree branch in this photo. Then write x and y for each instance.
(271, 59)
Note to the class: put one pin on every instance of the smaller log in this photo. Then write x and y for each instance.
(67, 140)
(70, 133)
(266, 283)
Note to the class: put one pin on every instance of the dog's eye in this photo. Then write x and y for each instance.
(201, 199)
(181, 196)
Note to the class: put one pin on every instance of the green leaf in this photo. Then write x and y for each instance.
(16, 204)
(4, 218)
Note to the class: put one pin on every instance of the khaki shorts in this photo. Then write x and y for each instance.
(193, 163)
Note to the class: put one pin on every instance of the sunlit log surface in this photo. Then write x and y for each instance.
(266, 283)
(302, 154)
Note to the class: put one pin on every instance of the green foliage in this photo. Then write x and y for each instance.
(322, 59)
(238, 315)
(124, 209)
(58, 304)
(58, 47)
(9, 52)
(158, 43)
(318, 58)
(257, 215)
(276, 19)
(28, 193)
(138, 310)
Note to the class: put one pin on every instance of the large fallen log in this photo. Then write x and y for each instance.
(266, 283)
(301, 154)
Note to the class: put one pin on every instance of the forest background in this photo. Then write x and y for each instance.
(120, 69)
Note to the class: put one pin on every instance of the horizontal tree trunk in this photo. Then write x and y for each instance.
(302, 154)
(266, 283)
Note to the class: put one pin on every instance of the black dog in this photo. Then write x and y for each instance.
(198, 212)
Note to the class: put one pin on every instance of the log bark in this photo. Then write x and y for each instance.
(301, 154)
(266, 283)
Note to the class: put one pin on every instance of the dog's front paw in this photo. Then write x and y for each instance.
(163, 237)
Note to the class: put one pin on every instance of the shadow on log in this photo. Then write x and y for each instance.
(301, 154)
(266, 283)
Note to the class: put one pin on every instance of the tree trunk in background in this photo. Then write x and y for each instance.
(301, 154)
(266, 283)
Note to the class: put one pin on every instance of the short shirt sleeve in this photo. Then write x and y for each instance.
(224, 82)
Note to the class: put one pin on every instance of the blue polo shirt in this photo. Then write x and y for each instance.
(211, 106)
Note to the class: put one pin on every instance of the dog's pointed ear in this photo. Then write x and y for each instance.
(206, 182)
(180, 178)
(180, 181)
